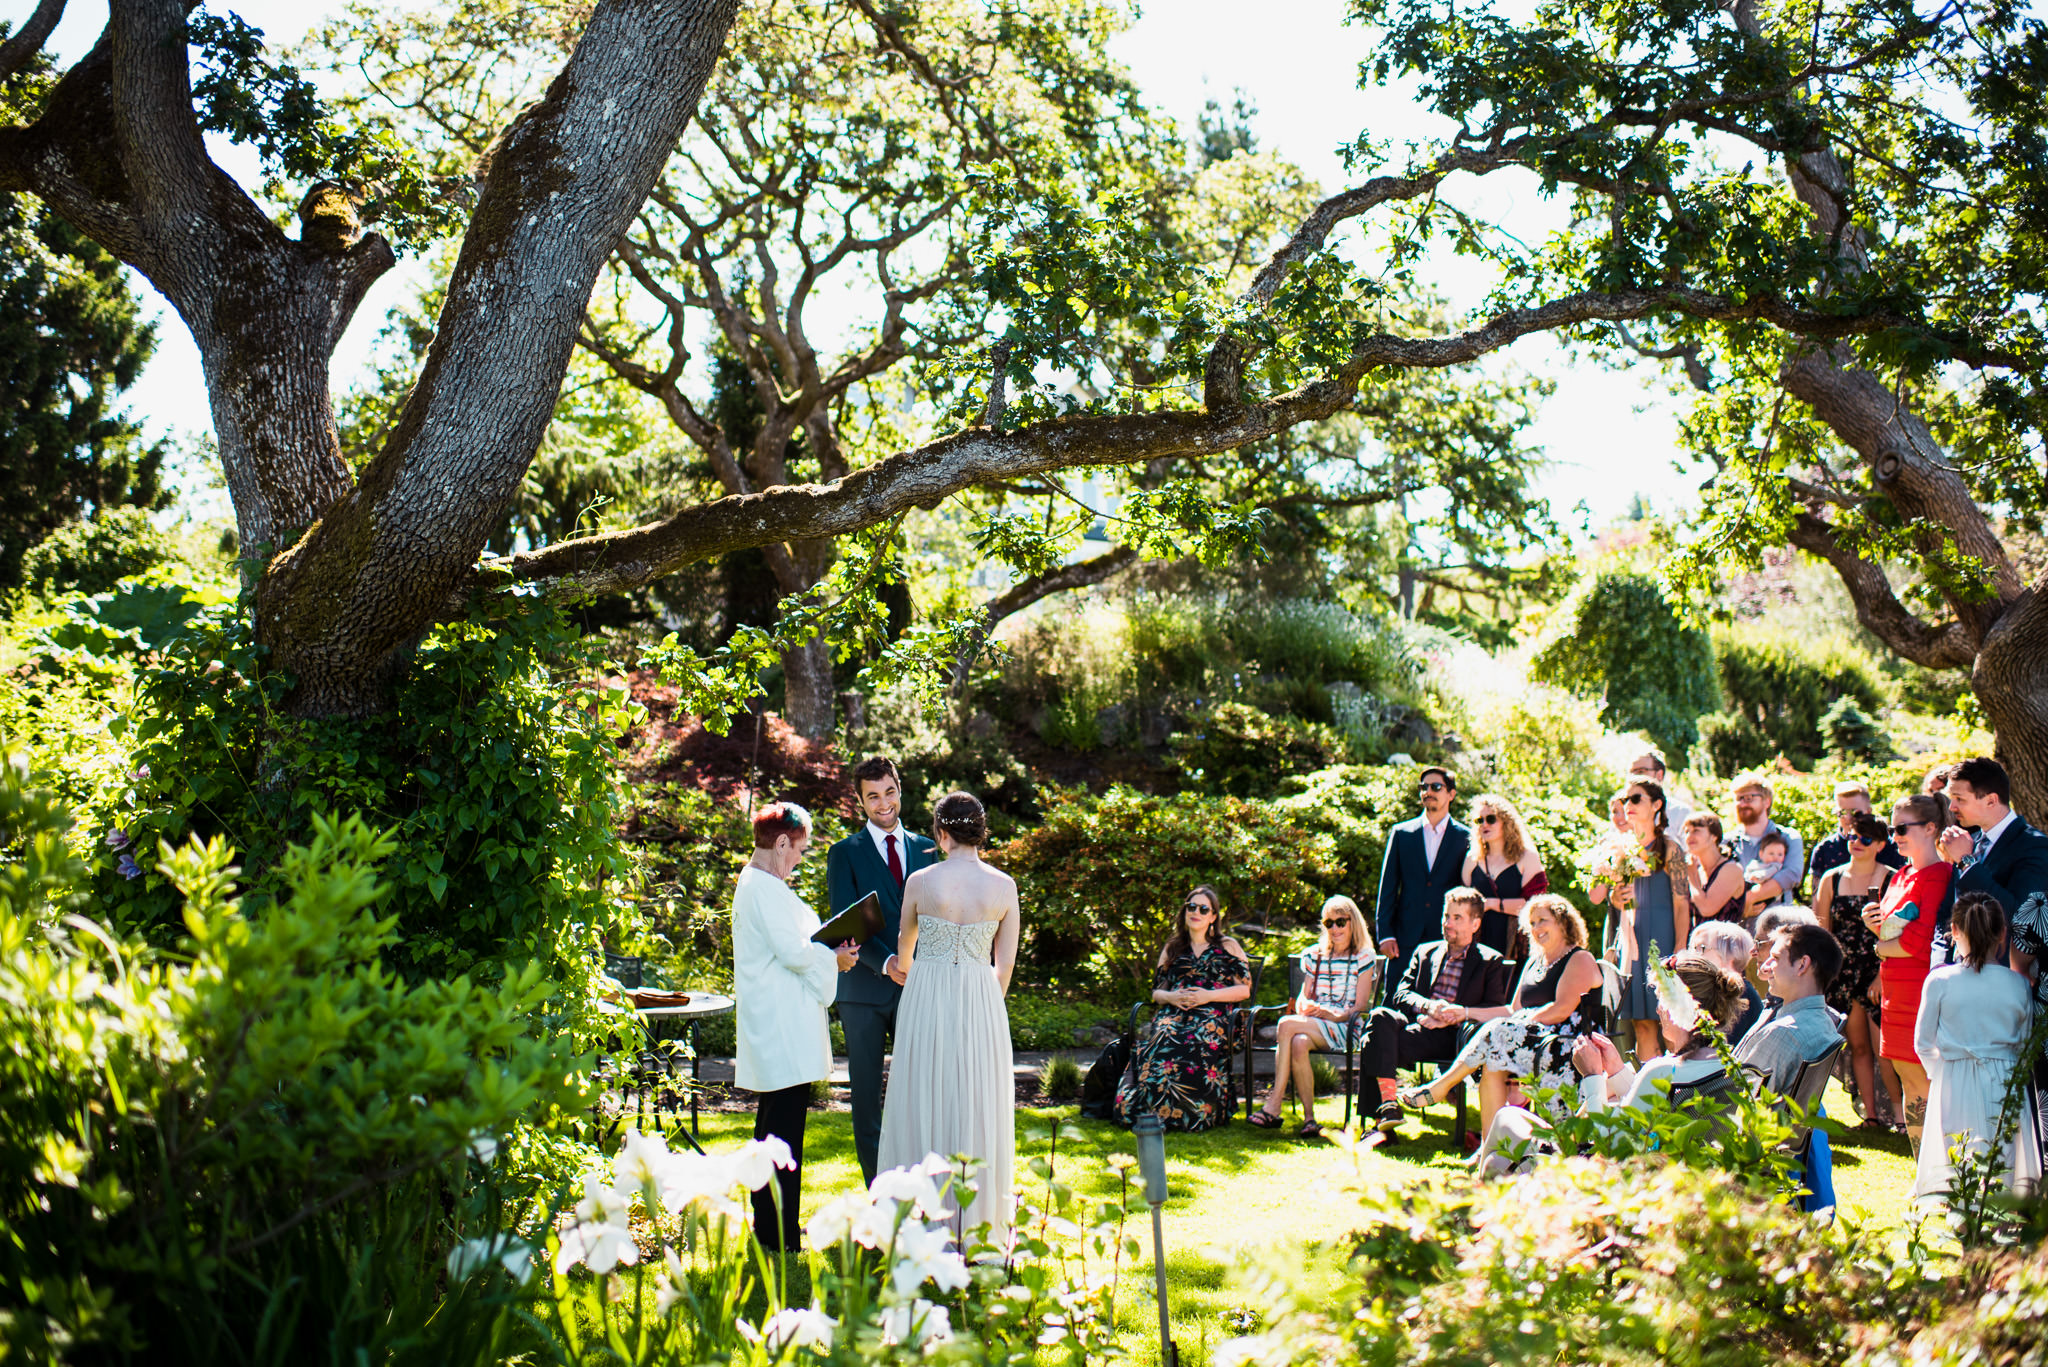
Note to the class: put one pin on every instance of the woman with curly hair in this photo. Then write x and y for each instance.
(1504, 867)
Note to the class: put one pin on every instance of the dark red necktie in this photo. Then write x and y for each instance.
(895, 864)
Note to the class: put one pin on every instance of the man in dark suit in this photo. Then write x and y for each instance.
(876, 858)
(1447, 981)
(2005, 856)
(1425, 859)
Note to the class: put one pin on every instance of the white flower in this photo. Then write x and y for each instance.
(688, 1179)
(753, 1167)
(874, 1226)
(832, 1221)
(922, 1186)
(599, 1247)
(484, 1145)
(917, 1324)
(672, 1283)
(602, 1204)
(922, 1255)
(472, 1256)
(1673, 996)
(641, 1164)
(812, 1329)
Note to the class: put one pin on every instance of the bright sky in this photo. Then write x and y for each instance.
(1607, 435)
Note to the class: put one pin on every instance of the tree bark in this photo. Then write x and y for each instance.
(809, 703)
(2011, 680)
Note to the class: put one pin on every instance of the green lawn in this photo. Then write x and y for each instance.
(1237, 1193)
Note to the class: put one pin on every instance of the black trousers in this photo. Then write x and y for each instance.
(1393, 1040)
(782, 1115)
(869, 1027)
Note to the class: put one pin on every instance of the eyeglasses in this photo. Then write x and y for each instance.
(1488, 820)
(1432, 787)
(1899, 829)
(1634, 798)
(1338, 922)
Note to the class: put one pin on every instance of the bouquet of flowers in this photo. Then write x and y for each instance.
(1614, 858)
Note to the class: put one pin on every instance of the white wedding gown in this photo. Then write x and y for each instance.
(951, 1087)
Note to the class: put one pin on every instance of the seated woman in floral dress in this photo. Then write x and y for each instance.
(1180, 1070)
(1557, 1003)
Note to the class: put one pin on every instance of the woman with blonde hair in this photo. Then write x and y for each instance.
(1504, 867)
(1338, 978)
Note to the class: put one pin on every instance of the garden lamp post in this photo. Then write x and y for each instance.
(1150, 1132)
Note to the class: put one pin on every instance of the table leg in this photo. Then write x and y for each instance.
(696, 1076)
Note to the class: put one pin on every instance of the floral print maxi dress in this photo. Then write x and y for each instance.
(1181, 1067)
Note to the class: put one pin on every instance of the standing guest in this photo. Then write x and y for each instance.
(876, 858)
(1974, 1017)
(1557, 1003)
(2029, 946)
(1800, 962)
(1917, 824)
(1656, 912)
(1839, 900)
(1448, 982)
(2005, 857)
(1714, 880)
(1336, 987)
(1650, 765)
(1937, 779)
(1753, 798)
(1180, 1070)
(782, 983)
(1850, 799)
(1425, 859)
(1503, 867)
(1730, 946)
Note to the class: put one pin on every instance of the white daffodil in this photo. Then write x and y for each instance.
(472, 1256)
(917, 1324)
(753, 1167)
(599, 1247)
(812, 1329)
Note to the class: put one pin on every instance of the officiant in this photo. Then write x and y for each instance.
(876, 858)
(783, 980)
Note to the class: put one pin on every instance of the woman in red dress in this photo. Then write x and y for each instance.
(1904, 959)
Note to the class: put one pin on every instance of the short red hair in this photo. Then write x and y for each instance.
(778, 819)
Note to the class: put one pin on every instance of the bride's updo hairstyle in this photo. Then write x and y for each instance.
(960, 816)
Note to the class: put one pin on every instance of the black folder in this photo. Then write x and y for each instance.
(858, 923)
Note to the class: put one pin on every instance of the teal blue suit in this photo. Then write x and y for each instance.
(867, 997)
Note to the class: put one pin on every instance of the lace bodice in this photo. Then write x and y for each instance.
(943, 941)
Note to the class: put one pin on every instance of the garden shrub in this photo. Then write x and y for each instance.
(1104, 877)
(1774, 693)
(494, 770)
(1234, 748)
(259, 1147)
(95, 553)
(1041, 1021)
(1618, 637)
(1850, 734)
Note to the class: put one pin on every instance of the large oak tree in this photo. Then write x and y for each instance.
(362, 564)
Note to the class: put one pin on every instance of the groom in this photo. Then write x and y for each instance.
(876, 858)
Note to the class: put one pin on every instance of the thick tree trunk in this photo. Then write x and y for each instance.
(808, 698)
(2011, 679)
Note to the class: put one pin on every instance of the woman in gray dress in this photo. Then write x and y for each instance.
(1656, 911)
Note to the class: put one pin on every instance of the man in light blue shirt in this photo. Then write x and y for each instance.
(1753, 822)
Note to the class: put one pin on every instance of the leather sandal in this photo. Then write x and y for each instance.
(1309, 1130)
(1265, 1119)
(1416, 1098)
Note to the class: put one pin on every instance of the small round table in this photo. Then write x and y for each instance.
(701, 1006)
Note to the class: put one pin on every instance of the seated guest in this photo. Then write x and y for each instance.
(1716, 880)
(1504, 867)
(1448, 982)
(1556, 1004)
(1800, 963)
(1180, 1069)
(1688, 1058)
(1731, 947)
(1337, 984)
(1974, 1019)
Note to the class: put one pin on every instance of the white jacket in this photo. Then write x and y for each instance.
(782, 981)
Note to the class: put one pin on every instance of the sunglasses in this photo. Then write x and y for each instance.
(1488, 820)
(1858, 838)
(1198, 909)
(1633, 799)
(1334, 924)
(1900, 828)
(1431, 787)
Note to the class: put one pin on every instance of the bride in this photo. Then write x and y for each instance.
(951, 1088)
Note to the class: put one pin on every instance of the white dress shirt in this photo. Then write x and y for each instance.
(882, 838)
(1991, 835)
(1433, 838)
(782, 981)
